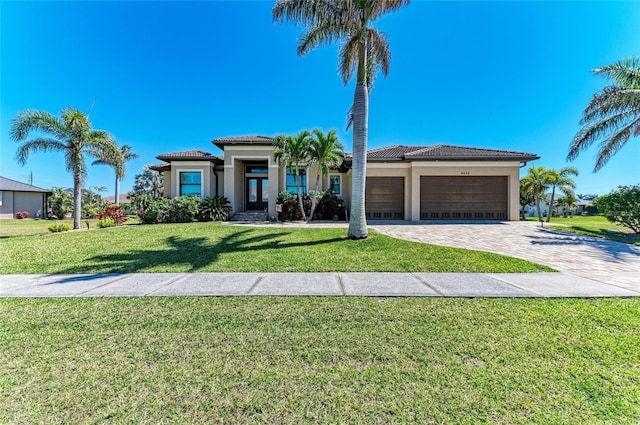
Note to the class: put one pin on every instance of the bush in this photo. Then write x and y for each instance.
(59, 227)
(622, 206)
(21, 215)
(327, 206)
(115, 213)
(183, 209)
(217, 208)
(105, 222)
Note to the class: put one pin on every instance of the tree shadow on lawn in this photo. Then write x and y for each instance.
(197, 252)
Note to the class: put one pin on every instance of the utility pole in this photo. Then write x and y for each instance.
(31, 178)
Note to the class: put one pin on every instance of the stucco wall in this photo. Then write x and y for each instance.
(6, 209)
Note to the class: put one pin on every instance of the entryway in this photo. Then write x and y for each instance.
(257, 187)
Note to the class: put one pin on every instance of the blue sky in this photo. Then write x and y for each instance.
(171, 76)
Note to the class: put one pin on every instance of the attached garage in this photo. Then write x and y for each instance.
(463, 198)
(384, 198)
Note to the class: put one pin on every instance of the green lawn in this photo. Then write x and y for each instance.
(213, 247)
(596, 226)
(326, 360)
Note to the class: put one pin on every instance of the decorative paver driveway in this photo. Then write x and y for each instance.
(598, 259)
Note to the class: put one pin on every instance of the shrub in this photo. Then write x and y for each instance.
(105, 222)
(183, 209)
(150, 214)
(328, 206)
(622, 206)
(21, 215)
(217, 208)
(115, 213)
(59, 227)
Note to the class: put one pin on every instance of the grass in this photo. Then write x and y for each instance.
(596, 226)
(33, 227)
(327, 360)
(213, 247)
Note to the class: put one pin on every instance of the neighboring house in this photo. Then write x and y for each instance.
(403, 182)
(18, 197)
(123, 198)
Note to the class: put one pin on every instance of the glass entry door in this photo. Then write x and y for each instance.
(257, 193)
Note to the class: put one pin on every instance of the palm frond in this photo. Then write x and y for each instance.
(35, 145)
(612, 145)
(602, 129)
(625, 73)
(31, 120)
(319, 35)
(379, 8)
(348, 58)
(307, 12)
(611, 100)
(379, 45)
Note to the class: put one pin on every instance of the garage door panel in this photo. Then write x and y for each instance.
(463, 198)
(384, 198)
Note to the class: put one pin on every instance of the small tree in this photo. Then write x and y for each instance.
(622, 206)
(560, 179)
(293, 151)
(60, 203)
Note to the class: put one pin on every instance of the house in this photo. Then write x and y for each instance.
(414, 183)
(18, 197)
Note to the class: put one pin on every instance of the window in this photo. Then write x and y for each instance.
(291, 180)
(334, 183)
(191, 183)
(0, 199)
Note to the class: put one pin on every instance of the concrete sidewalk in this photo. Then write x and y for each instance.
(323, 284)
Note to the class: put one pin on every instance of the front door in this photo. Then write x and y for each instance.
(257, 193)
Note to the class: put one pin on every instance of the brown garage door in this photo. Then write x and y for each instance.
(463, 198)
(384, 198)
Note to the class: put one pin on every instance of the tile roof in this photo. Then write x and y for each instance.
(443, 152)
(188, 155)
(243, 140)
(160, 167)
(16, 186)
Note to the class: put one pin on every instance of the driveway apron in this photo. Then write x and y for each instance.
(597, 259)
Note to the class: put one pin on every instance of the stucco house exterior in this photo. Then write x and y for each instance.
(18, 197)
(440, 182)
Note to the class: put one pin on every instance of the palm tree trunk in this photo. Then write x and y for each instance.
(77, 199)
(538, 208)
(117, 191)
(304, 217)
(313, 200)
(358, 220)
(553, 194)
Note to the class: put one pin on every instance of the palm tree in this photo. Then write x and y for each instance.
(350, 22)
(560, 179)
(535, 184)
(567, 202)
(118, 162)
(149, 182)
(613, 115)
(293, 151)
(70, 134)
(326, 151)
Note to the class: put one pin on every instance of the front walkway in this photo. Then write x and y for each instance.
(605, 261)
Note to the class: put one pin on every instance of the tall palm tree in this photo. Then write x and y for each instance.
(535, 184)
(70, 134)
(560, 179)
(348, 21)
(118, 162)
(326, 151)
(293, 151)
(613, 115)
